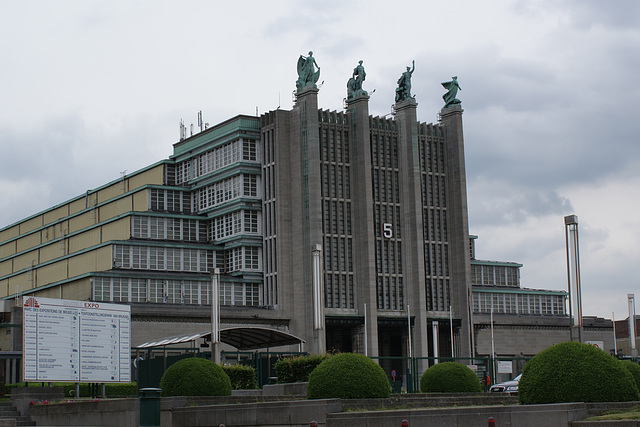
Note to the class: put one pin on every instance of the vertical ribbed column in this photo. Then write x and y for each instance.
(458, 219)
(364, 231)
(412, 226)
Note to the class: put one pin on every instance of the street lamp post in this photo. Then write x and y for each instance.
(215, 315)
(573, 276)
(632, 324)
(318, 300)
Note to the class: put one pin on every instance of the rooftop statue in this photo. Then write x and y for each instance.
(354, 85)
(452, 90)
(403, 91)
(307, 74)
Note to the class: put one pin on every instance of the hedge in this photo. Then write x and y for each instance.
(297, 368)
(242, 377)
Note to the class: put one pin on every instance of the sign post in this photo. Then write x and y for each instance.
(75, 341)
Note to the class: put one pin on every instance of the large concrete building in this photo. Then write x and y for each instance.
(379, 203)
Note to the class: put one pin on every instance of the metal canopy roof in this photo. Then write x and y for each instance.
(242, 338)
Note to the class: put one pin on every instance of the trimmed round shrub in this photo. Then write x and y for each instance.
(449, 377)
(634, 368)
(348, 376)
(195, 376)
(575, 372)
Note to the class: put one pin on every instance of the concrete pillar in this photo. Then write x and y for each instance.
(412, 228)
(460, 286)
(363, 230)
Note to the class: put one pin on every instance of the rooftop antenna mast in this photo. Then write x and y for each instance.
(200, 122)
(183, 130)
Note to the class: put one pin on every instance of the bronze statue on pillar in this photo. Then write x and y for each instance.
(354, 85)
(452, 90)
(403, 91)
(307, 74)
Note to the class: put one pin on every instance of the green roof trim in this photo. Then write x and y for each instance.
(233, 125)
(518, 291)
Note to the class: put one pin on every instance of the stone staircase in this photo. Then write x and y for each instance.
(8, 411)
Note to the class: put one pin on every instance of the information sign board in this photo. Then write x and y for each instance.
(75, 341)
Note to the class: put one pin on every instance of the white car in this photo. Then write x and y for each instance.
(507, 386)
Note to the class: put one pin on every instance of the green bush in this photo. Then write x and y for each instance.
(449, 377)
(348, 376)
(634, 369)
(575, 372)
(242, 377)
(297, 369)
(195, 376)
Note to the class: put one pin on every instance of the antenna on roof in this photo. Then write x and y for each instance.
(183, 131)
(200, 122)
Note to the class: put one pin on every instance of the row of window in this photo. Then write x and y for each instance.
(163, 291)
(384, 150)
(234, 223)
(152, 227)
(485, 302)
(390, 293)
(335, 145)
(218, 158)
(432, 155)
(169, 200)
(495, 275)
(244, 258)
(336, 181)
(162, 258)
(339, 292)
(228, 189)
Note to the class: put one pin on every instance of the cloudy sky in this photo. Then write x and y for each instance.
(550, 93)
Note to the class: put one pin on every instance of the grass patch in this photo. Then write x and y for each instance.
(633, 414)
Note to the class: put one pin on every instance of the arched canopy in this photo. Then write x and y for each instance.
(242, 338)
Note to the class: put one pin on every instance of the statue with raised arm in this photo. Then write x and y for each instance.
(452, 90)
(354, 86)
(307, 74)
(403, 91)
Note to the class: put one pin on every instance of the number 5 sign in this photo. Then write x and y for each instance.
(387, 230)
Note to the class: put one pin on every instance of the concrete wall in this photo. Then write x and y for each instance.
(557, 415)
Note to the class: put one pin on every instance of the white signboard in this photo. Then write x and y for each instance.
(505, 367)
(75, 341)
(596, 344)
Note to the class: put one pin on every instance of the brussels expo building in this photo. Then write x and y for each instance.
(344, 230)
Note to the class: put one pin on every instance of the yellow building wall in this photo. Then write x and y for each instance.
(52, 273)
(84, 240)
(51, 252)
(110, 192)
(97, 260)
(28, 242)
(31, 224)
(9, 233)
(141, 200)
(7, 249)
(117, 230)
(151, 176)
(6, 267)
(20, 283)
(81, 221)
(25, 260)
(115, 208)
(56, 214)
(79, 290)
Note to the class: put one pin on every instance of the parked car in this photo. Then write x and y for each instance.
(507, 386)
